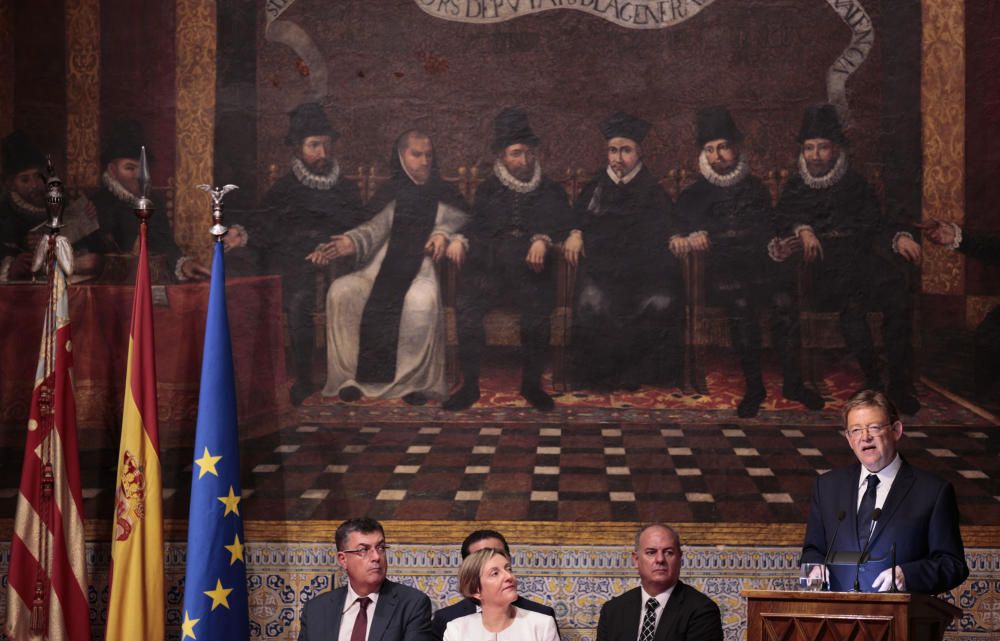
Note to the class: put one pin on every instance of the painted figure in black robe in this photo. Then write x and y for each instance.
(22, 207)
(517, 215)
(22, 211)
(727, 214)
(629, 312)
(859, 258)
(986, 248)
(117, 198)
(298, 214)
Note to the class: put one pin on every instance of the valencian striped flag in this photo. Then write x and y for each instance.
(215, 585)
(136, 603)
(47, 586)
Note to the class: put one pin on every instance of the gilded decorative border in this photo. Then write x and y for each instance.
(942, 97)
(196, 47)
(83, 81)
(6, 67)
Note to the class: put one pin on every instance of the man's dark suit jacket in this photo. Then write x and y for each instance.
(402, 614)
(920, 516)
(688, 616)
(444, 616)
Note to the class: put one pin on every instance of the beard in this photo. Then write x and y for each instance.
(723, 168)
(320, 166)
(521, 172)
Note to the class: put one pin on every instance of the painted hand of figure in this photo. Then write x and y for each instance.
(456, 252)
(787, 246)
(940, 233)
(883, 582)
(318, 257)
(536, 256)
(337, 247)
(811, 247)
(573, 248)
(90, 210)
(193, 270)
(435, 247)
(679, 246)
(908, 249)
(699, 242)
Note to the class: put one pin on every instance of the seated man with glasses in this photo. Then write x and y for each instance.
(476, 541)
(881, 503)
(369, 606)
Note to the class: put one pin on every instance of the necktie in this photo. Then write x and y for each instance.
(649, 620)
(865, 511)
(361, 623)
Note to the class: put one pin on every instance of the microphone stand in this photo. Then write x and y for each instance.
(877, 512)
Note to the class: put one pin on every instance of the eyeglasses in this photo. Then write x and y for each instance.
(365, 551)
(874, 430)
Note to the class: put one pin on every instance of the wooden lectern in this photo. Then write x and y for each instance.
(775, 615)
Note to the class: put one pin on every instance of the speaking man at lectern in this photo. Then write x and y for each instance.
(881, 503)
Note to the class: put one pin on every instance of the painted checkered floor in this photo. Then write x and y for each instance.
(580, 470)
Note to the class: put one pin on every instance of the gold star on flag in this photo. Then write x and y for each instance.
(207, 464)
(232, 502)
(236, 550)
(187, 628)
(219, 596)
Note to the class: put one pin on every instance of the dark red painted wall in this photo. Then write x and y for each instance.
(40, 74)
(982, 121)
(138, 78)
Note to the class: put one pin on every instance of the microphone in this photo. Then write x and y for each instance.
(892, 554)
(829, 550)
(877, 512)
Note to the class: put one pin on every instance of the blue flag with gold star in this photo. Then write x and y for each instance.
(215, 584)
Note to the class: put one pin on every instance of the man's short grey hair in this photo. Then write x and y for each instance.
(870, 399)
(668, 528)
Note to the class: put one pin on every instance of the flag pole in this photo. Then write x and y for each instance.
(215, 585)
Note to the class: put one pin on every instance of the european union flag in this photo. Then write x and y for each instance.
(215, 584)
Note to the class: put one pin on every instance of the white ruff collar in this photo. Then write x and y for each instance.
(118, 190)
(627, 178)
(314, 181)
(831, 177)
(723, 180)
(24, 205)
(510, 182)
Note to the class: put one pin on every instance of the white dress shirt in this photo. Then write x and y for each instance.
(885, 478)
(627, 178)
(662, 597)
(350, 613)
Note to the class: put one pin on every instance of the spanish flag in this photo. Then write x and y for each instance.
(136, 603)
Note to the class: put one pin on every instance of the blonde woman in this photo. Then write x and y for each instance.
(486, 577)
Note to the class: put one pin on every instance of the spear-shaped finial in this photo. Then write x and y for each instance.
(144, 207)
(218, 229)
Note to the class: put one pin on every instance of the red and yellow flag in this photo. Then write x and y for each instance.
(136, 604)
(47, 584)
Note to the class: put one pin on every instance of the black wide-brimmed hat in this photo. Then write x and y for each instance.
(511, 127)
(124, 139)
(715, 123)
(822, 121)
(19, 153)
(621, 124)
(308, 119)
